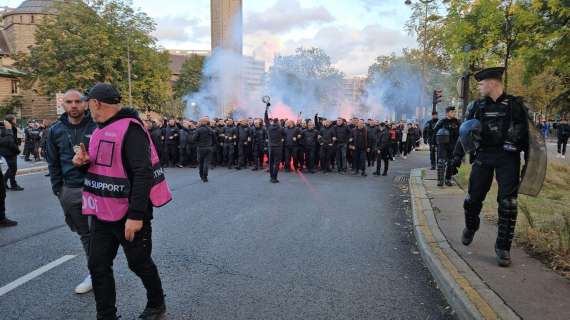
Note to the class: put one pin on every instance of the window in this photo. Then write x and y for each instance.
(32, 18)
(15, 86)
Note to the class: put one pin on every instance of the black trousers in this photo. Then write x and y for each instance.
(204, 154)
(10, 174)
(359, 160)
(341, 160)
(310, 156)
(326, 155)
(258, 153)
(106, 237)
(291, 154)
(172, 154)
(383, 156)
(371, 155)
(562, 145)
(242, 153)
(229, 153)
(2, 198)
(506, 168)
(432, 155)
(444, 157)
(275, 155)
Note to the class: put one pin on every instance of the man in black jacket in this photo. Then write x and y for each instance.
(430, 140)
(309, 142)
(230, 136)
(383, 149)
(172, 138)
(205, 139)
(276, 137)
(291, 145)
(7, 145)
(342, 136)
(11, 157)
(64, 137)
(259, 144)
(371, 153)
(243, 140)
(359, 147)
(446, 134)
(134, 231)
(326, 140)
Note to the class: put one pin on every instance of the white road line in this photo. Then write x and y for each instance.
(38, 272)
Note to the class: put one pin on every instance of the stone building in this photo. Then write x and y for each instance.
(17, 35)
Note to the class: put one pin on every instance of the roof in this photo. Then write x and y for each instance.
(3, 44)
(10, 73)
(176, 62)
(35, 6)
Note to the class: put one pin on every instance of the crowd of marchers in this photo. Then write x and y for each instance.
(308, 145)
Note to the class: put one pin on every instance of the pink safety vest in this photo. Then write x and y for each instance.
(106, 188)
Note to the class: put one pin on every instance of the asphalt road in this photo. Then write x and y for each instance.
(311, 247)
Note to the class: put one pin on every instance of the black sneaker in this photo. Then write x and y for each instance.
(364, 174)
(153, 313)
(4, 223)
(503, 257)
(448, 183)
(385, 174)
(17, 188)
(467, 236)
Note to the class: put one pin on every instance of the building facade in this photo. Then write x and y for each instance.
(17, 35)
(226, 25)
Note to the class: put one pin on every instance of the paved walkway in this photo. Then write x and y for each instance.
(528, 287)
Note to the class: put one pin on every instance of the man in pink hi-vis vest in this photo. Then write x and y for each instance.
(123, 183)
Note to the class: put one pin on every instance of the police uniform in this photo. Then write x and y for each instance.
(504, 134)
(446, 135)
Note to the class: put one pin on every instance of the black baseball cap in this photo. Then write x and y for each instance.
(490, 73)
(449, 109)
(104, 92)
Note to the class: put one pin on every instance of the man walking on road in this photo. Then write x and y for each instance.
(64, 137)
(124, 181)
(11, 157)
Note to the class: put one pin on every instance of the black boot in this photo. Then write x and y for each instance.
(448, 183)
(503, 257)
(467, 236)
(440, 173)
(7, 223)
(153, 313)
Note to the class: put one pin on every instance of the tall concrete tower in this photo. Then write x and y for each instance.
(227, 25)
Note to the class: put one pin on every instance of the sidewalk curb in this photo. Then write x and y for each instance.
(31, 170)
(464, 290)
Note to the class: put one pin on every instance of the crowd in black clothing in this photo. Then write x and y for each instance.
(35, 137)
(305, 145)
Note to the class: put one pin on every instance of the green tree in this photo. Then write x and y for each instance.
(190, 76)
(11, 106)
(90, 42)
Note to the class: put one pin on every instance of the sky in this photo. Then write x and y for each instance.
(352, 32)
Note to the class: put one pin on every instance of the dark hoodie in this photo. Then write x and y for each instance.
(62, 136)
(137, 164)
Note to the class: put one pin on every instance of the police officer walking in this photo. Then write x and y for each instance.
(446, 135)
(504, 134)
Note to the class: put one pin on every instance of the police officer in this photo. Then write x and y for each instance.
(504, 134)
(429, 138)
(276, 136)
(446, 135)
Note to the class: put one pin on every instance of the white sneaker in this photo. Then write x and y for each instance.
(564, 157)
(85, 286)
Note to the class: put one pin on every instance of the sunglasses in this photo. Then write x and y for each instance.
(72, 101)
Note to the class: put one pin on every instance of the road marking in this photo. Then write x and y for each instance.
(36, 273)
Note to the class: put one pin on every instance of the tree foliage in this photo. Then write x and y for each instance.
(89, 42)
(190, 76)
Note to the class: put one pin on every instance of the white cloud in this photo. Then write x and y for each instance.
(285, 16)
(180, 29)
